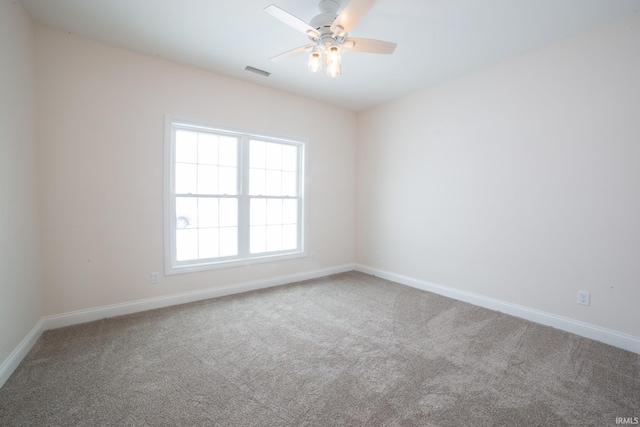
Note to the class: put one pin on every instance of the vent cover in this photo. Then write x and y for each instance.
(257, 71)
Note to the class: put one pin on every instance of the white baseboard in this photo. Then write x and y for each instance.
(11, 363)
(597, 333)
(89, 315)
(82, 316)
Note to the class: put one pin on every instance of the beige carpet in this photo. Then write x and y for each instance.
(349, 349)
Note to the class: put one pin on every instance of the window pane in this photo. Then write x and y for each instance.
(274, 156)
(208, 243)
(274, 183)
(228, 241)
(228, 180)
(274, 238)
(186, 146)
(209, 171)
(207, 212)
(228, 151)
(289, 237)
(258, 212)
(274, 211)
(257, 182)
(257, 155)
(207, 179)
(289, 184)
(186, 244)
(228, 212)
(289, 158)
(207, 148)
(258, 239)
(186, 212)
(186, 178)
(289, 211)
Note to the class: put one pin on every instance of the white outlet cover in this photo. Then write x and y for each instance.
(584, 298)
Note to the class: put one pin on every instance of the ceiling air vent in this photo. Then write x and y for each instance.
(257, 71)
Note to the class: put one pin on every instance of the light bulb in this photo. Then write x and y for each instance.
(315, 61)
(334, 62)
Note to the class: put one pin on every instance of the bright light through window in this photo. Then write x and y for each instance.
(232, 198)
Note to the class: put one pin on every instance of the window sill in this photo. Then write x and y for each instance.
(191, 268)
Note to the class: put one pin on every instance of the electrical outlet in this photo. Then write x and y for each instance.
(378, 255)
(155, 277)
(584, 298)
(312, 256)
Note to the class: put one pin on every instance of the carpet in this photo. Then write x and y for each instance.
(344, 350)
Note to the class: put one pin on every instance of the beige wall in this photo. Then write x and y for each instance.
(101, 126)
(19, 224)
(520, 182)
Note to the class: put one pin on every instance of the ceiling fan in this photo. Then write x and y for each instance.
(328, 34)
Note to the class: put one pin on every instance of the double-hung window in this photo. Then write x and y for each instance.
(231, 198)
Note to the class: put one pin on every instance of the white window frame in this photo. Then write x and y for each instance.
(172, 265)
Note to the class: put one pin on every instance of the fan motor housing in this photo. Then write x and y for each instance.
(323, 22)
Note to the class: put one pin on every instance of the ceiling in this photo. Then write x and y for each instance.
(438, 40)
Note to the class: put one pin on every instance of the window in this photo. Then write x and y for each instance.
(231, 198)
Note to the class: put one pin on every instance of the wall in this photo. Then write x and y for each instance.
(101, 125)
(520, 182)
(19, 224)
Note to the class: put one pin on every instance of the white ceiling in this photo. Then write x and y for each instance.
(438, 40)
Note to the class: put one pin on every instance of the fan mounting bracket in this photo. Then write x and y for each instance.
(328, 6)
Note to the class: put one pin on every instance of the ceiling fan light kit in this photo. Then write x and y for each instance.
(334, 62)
(315, 61)
(332, 58)
(328, 34)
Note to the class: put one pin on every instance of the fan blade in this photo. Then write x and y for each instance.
(291, 20)
(293, 52)
(357, 44)
(350, 16)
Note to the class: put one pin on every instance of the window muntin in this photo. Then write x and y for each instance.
(233, 198)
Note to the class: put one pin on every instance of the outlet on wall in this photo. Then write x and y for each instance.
(584, 298)
(378, 255)
(155, 277)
